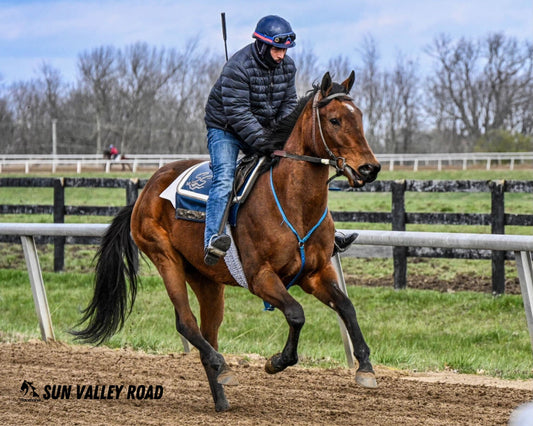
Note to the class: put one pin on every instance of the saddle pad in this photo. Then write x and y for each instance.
(233, 262)
(170, 192)
(189, 192)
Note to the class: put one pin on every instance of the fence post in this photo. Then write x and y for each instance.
(399, 254)
(59, 217)
(132, 191)
(497, 189)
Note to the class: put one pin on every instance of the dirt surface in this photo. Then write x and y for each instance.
(295, 396)
(460, 282)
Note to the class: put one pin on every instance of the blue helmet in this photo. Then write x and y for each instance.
(275, 31)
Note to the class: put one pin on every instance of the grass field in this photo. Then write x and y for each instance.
(412, 329)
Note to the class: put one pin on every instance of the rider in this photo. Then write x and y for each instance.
(113, 151)
(255, 90)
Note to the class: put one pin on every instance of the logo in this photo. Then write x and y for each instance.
(29, 393)
(86, 391)
(199, 181)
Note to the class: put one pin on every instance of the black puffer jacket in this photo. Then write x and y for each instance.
(249, 96)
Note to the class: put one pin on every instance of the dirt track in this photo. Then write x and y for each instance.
(296, 396)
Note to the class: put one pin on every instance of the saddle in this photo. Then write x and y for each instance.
(193, 185)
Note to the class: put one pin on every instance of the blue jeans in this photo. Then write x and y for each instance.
(224, 149)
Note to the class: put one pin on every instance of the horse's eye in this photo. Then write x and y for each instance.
(335, 122)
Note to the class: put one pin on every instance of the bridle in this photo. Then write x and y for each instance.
(338, 162)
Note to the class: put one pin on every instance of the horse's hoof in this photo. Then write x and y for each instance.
(227, 378)
(270, 368)
(222, 406)
(366, 379)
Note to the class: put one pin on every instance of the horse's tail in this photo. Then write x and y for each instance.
(116, 258)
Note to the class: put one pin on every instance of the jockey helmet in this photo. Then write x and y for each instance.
(275, 31)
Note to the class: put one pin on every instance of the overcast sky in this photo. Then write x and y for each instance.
(56, 32)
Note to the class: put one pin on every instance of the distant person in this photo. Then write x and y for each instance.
(113, 152)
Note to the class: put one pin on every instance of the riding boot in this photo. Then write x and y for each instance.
(217, 248)
(343, 241)
(219, 243)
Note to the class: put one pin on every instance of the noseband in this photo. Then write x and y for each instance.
(334, 161)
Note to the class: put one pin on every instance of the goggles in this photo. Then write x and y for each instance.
(287, 38)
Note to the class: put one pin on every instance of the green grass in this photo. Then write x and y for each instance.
(411, 329)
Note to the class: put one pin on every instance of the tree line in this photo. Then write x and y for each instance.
(478, 96)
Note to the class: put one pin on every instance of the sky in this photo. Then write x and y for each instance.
(55, 32)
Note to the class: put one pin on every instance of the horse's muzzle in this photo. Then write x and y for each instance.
(365, 174)
(369, 172)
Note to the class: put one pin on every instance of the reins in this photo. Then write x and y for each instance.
(333, 161)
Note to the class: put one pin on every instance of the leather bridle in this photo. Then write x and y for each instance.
(334, 161)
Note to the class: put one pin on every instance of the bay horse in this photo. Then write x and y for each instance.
(288, 201)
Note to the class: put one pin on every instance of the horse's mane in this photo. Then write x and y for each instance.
(278, 135)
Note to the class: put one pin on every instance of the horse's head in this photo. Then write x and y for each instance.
(337, 132)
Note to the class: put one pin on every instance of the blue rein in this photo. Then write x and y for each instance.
(301, 241)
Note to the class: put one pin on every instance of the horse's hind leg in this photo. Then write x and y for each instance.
(214, 375)
(170, 267)
(215, 366)
(210, 296)
(324, 287)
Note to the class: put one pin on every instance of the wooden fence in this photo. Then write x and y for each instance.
(398, 216)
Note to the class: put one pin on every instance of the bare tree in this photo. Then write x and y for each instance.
(32, 133)
(339, 67)
(147, 99)
(180, 109)
(370, 98)
(98, 74)
(308, 71)
(401, 106)
(478, 86)
(7, 125)
(508, 75)
(143, 72)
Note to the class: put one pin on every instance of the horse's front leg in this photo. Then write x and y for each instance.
(269, 287)
(325, 288)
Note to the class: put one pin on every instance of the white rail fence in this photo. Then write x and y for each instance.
(135, 161)
(521, 245)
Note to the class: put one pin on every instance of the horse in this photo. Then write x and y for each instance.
(119, 159)
(288, 201)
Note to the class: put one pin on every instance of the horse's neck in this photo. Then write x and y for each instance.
(301, 185)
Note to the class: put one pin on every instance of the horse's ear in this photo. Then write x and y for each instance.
(348, 83)
(325, 86)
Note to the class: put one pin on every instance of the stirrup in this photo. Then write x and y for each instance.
(217, 248)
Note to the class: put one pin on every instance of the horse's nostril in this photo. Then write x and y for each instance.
(369, 170)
